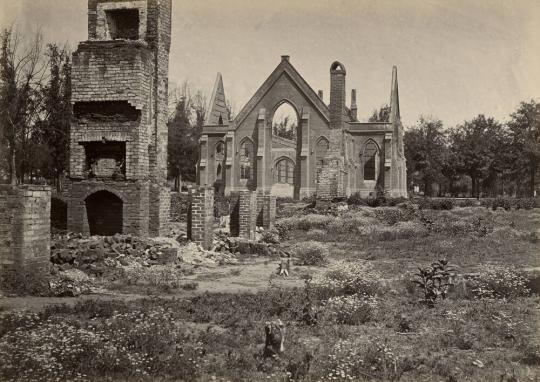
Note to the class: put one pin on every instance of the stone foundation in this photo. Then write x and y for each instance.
(25, 230)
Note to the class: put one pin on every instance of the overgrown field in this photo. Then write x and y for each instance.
(470, 313)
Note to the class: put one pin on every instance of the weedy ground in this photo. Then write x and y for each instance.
(354, 313)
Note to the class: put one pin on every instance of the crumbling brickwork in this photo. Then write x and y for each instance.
(201, 216)
(25, 230)
(118, 137)
(247, 214)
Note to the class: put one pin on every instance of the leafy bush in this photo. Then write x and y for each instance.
(310, 253)
(507, 203)
(391, 216)
(377, 201)
(346, 278)
(351, 310)
(271, 236)
(434, 281)
(435, 204)
(500, 282)
(352, 361)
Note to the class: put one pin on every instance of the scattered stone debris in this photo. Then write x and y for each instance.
(92, 254)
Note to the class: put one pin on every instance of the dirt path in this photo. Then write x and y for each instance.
(250, 276)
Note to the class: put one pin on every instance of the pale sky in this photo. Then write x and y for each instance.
(455, 58)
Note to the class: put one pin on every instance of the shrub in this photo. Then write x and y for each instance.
(271, 236)
(391, 216)
(465, 202)
(346, 278)
(310, 253)
(356, 200)
(351, 310)
(500, 282)
(435, 204)
(352, 361)
(433, 281)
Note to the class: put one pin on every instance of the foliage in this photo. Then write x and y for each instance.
(351, 310)
(524, 129)
(425, 151)
(381, 115)
(22, 77)
(179, 206)
(509, 203)
(134, 344)
(53, 130)
(346, 279)
(310, 253)
(271, 236)
(434, 281)
(435, 204)
(285, 128)
(477, 145)
(500, 282)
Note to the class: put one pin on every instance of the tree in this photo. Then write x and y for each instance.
(425, 148)
(285, 129)
(474, 145)
(381, 115)
(184, 128)
(524, 129)
(22, 74)
(53, 130)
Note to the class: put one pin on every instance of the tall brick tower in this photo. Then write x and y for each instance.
(118, 142)
(332, 176)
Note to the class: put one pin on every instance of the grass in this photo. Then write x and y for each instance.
(359, 318)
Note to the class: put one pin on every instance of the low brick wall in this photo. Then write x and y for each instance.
(200, 226)
(25, 230)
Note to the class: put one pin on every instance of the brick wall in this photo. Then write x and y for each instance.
(247, 214)
(25, 229)
(201, 216)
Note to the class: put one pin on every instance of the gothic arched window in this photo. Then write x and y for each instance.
(371, 161)
(284, 171)
(246, 159)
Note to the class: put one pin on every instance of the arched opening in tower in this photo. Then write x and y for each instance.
(104, 212)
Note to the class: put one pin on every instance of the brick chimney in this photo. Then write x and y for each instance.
(337, 95)
(354, 108)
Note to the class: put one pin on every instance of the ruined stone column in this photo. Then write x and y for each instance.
(247, 214)
(25, 231)
(200, 228)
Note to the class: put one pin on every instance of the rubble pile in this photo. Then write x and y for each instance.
(93, 254)
(237, 245)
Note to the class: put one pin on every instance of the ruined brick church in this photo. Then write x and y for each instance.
(333, 154)
(118, 139)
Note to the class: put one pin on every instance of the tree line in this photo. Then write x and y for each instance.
(480, 157)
